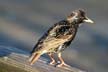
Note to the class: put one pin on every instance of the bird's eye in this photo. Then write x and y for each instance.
(72, 14)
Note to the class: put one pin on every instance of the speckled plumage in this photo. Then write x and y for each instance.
(59, 36)
(63, 31)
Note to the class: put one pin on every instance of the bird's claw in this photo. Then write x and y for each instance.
(52, 63)
(63, 65)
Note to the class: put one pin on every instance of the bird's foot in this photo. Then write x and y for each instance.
(63, 65)
(52, 62)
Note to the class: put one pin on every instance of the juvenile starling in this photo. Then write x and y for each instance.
(58, 37)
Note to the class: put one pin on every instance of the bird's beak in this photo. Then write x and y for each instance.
(88, 20)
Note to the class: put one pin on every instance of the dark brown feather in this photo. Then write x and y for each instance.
(57, 35)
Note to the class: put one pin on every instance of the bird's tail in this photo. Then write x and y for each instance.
(34, 57)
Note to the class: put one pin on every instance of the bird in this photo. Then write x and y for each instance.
(59, 37)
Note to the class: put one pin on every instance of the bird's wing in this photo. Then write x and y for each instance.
(55, 38)
(48, 36)
(52, 43)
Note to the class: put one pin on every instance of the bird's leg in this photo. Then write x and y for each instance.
(52, 59)
(31, 57)
(62, 63)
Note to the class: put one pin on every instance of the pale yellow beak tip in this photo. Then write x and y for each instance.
(88, 20)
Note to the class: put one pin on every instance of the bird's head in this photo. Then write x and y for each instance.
(78, 16)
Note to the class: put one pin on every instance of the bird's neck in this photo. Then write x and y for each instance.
(75, 24)
(66, 22)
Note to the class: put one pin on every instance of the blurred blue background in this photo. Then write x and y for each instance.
(23, 22)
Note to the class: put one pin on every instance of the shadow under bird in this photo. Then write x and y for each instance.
(59, 37)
